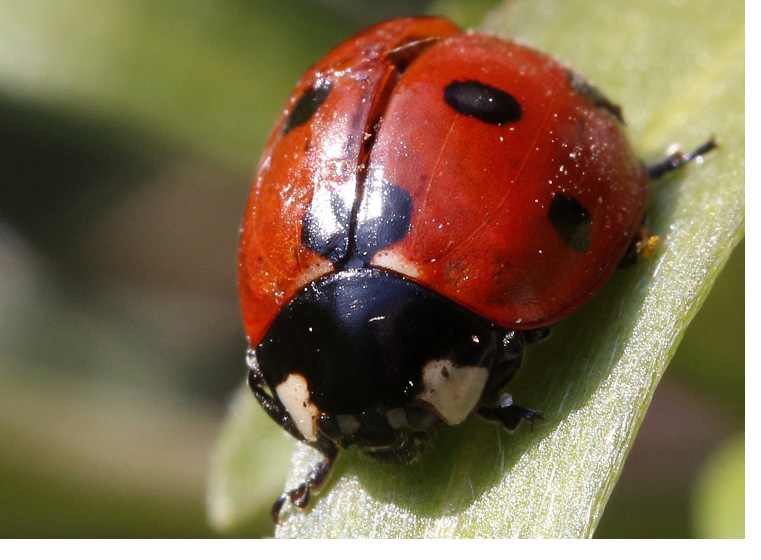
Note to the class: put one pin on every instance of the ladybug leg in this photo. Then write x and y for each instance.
(508, 414)
(498, 407)
(678, 159)
(407, 449)
(317, 477)
(315, 480)
(536, 335)
(644, 243)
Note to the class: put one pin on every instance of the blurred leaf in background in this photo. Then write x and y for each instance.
(719, 496)
(130, 131)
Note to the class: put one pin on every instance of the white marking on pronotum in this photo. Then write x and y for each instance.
(392, 260)
(453, 391)
(294, 394)
(313, 271)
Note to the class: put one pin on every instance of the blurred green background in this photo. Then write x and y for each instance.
(130, 130)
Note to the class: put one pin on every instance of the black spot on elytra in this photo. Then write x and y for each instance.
(486, 103)
(595, 96)
(383, 218)
(571, 220)
(325, 226)
(306, 106)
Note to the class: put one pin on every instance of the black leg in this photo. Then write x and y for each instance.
(644, 243)
(508, 414)
(407, 449)
(536, 335)
(509, 360)
(678, 159)
(316, 479)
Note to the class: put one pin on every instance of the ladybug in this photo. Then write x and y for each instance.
(428, 202)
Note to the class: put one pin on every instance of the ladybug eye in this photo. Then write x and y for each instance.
(486, 103)
(571, 220)
(306, 106)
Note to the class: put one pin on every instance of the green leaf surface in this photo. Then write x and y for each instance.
(677, 69)
(251, 453)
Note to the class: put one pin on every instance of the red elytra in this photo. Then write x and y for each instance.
(520, 222)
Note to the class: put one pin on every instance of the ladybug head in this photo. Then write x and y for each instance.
(366, 343)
